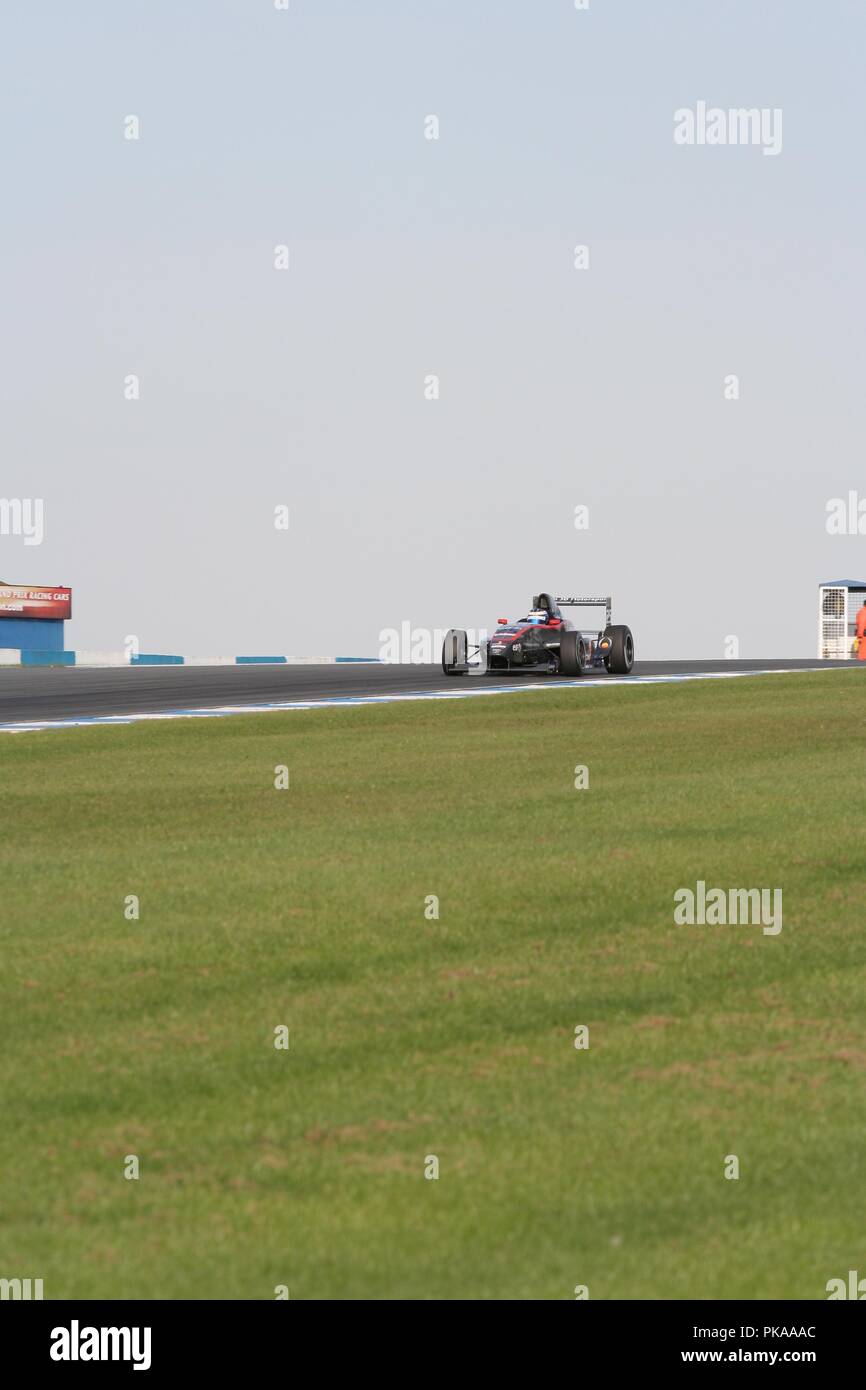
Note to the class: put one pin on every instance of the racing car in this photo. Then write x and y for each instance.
(545, 641)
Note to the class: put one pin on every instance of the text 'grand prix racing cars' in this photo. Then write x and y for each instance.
(546, 641)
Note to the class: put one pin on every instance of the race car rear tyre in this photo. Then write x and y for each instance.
(620, 659)
(572, 654)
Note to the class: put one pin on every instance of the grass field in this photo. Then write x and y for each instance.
(454, 1037)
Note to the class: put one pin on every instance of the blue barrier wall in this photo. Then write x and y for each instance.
(32, 634)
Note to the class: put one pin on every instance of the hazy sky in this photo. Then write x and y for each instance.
(559, 387)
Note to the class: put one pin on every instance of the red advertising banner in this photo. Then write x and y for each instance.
(19, 601)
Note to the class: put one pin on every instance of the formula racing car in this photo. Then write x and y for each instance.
(544, 641)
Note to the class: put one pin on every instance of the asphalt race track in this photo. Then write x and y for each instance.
(48, 693)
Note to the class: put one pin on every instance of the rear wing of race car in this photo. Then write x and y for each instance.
(605, 603)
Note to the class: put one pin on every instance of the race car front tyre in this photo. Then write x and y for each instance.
(454, 653)
(620, 658)
(572, 654)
